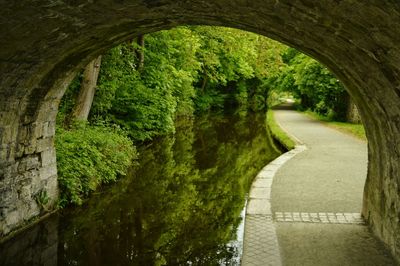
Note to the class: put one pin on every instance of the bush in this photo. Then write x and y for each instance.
(88, 156)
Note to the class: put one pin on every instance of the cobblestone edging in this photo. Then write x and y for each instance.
(321, 217)
(260, 245)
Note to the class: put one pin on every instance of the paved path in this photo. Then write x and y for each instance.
(308, 212)
(328, 177)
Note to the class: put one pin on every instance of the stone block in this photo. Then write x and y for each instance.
(266, 174)
(33, 162)
(29, 162)
(29, 176)
(48, 109)
(52, 188)
(260, 193)
(23, 134)
(37, 129)
(19, 150)
(2, 213)
(7, 134)
(48, 171)
(6, 196)
(30, 148)
(7, 117)
(262, 183)
(9, 170)
(27, 119)
(11, 152)
(28, 134)
(4, 151)
(258, 207)
(25, 193)
(36, 182)
(49, 129)
(33, 208)
(48, 157)
(44, 144)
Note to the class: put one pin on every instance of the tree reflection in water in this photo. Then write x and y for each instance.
(180, 205)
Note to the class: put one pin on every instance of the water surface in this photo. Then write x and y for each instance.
(182, 204)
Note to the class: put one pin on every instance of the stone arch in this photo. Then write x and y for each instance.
(43, 43)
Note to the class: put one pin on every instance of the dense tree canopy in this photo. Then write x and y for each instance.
(146, 83)
(186, 69)
(316, 87)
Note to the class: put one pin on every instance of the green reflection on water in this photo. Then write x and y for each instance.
(180, 206)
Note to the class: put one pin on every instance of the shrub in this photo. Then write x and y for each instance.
(88, 156)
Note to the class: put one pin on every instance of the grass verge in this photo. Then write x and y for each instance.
(357, 130)
(278, 133)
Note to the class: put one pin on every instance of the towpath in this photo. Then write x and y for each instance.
(304, 207)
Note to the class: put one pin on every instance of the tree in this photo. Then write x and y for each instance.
(86, 93)
(140, 53)
(317, 88)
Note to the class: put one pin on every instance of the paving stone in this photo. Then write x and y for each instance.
(338, 218)
(262, 183)
(260, 242)
(258, 206)
(260, 193)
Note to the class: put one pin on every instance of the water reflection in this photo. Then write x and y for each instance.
(36, 246)
(180, 206)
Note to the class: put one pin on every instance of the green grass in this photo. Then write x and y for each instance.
(357, 130)
(278, 133)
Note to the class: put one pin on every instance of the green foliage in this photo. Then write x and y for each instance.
(146, 102)
(42, 198)
(186, 69)
(313, 84)
(211, 99)
(235, 67)
(88, 156)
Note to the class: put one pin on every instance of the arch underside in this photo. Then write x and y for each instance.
(44, 43)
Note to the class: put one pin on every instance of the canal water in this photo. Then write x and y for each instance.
(181, 204)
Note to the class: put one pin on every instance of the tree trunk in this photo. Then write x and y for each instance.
(88, 87)
(204, 82)
(140, 53)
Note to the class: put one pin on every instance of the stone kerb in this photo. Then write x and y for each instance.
(260, 245)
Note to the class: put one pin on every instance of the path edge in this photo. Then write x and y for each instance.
(280, 133)
(258, 208)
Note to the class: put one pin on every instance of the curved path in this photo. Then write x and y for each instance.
(310, 212)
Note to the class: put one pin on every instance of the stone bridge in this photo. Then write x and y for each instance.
(43, 43)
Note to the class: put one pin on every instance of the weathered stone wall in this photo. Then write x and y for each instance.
(28, 171)
(44, 42)
(353, 115)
